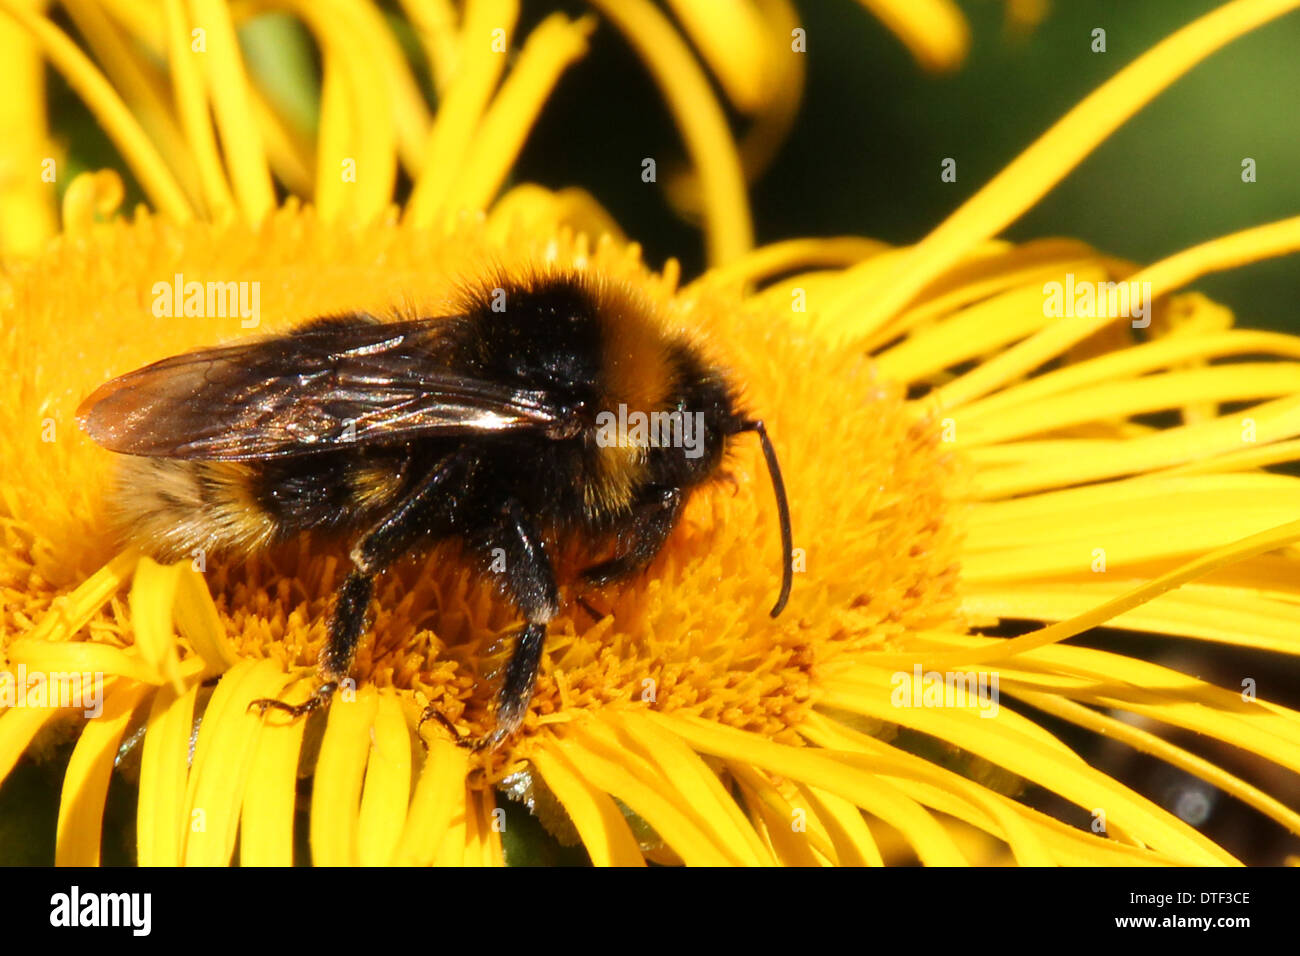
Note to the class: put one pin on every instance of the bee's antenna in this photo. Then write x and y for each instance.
(783, 510)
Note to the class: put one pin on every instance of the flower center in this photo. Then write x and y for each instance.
(869, 484)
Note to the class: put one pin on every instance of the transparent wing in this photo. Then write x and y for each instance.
(336, 381)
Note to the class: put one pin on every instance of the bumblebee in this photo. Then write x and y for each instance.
(493, 425)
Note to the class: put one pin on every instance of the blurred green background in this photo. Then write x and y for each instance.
(864, 156)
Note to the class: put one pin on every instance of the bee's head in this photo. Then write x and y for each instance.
(704, 398)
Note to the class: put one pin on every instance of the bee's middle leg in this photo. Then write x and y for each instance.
(530, 582)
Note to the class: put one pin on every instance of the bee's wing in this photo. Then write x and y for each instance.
(350, 380)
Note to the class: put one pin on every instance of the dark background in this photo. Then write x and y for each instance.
(864, 155)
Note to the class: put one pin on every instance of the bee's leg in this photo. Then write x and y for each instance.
(335, 662)
(530, 583)
(411, 519)
(653, 519)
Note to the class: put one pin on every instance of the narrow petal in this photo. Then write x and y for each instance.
(27, 206)
(461, 108)
(267, 816)
(1253, 245)
(1006, 822)
(599, 822)
(675, 826)
(776, 112)
(698, 784)
(439, 797)
(223, 757)
(1068, 776)
(731, 38)
(792, 834)
(142, 87)
(340, 769)
(357, 118)
(161, 812)
(854, 845)
(18, 727)
(102, 100)
(387, 793)
(84, 656)
(698, 116)
(550, 49)
(934, 31)
(1146, 742)
(1026, 179)
(228, 88)
(435, 25)
(153, 593)
(1131, 362)
(200, 624)
(85, 782)
(191, 98)
(932, 843)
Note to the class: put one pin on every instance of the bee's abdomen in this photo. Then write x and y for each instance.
(172, 508)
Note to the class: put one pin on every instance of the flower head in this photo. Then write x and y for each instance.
(954, 457)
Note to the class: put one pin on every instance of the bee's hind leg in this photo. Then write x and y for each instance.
(346, 626)
(409, 521)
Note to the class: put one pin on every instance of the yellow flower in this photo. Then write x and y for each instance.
(954, 458)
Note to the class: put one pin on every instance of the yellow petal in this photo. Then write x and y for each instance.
(190, 96)
(336, 792)
(932, 843)
(153, 593)
(85, 782)
(699, 785)
(223, 757)
(462, 106)
(549, 50)
(933, 30)
(27, 203)
(142, 87)
(439, 797)
(200, 624)
(266, 819)
(82, 657)
(698, 116)
(161, 819)
(730, 37)
(652, 804)
(995, 740)
(1021, 183)
(228, 89)
(387, 792)
(140, 154)
(599, 822)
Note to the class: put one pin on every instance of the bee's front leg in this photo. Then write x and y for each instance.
(654, 516)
